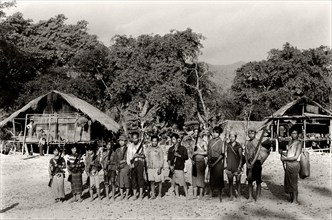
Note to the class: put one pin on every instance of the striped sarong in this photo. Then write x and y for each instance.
(291, 176)
(76, 183)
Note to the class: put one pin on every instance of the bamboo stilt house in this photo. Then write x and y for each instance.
(310, 117)
(59, 117)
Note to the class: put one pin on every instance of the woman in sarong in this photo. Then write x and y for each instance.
(216, 153)
(57, 174)
(76, 167)
(291, 158)
(199, 166)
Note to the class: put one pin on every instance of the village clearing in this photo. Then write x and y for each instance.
(25, 195)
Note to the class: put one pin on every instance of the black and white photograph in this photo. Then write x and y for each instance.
(159, 109)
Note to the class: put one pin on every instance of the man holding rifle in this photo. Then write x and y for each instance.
(136, 157)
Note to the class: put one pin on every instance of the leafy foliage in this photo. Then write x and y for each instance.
(283, 77)
(155, 68)
(49, 55)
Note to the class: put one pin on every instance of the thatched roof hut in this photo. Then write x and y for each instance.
(79, 104)
(62, 117)
(310, 117)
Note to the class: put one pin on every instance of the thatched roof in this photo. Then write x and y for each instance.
(239, 127)
(283, 110)
(92, 112)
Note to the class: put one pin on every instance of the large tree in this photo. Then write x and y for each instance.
(48, 55)
(157, 69)
(263, 87)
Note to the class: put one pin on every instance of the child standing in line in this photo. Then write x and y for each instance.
(109, 163)
(92, 169)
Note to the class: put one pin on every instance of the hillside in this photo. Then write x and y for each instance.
(224, 74)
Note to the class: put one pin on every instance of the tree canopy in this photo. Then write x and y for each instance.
(267, 85)
(50, 54)
(163, 70)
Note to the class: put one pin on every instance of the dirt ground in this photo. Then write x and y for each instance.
(25, 195)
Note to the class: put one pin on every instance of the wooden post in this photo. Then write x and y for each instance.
(48, 135)
(67, 125)
(75, 126)
(25, 133)
(304, 132)
(330, 135)
(277, 143)
(14, 132)
(89, 129)
(56, 128)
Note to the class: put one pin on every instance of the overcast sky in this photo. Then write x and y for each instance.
(234, 31)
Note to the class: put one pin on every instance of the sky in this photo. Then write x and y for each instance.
(234, 30)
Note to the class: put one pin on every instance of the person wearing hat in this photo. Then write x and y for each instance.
(234, 164)
(123, 167)
(216, 154)
(109, 163)
(254, 171)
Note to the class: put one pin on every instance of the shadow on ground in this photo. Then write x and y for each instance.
(323, 191)
(9, 208)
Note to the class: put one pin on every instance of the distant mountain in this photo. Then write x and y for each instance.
(224, 74)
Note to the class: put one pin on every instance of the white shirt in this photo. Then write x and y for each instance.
(132, 148)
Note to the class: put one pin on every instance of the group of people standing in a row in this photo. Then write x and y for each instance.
(134, 164)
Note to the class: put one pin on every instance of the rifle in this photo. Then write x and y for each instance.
(257, 153)
(53, 171)
(194, 167)
(171, 173)
(139, 148)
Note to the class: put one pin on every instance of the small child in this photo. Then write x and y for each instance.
(92, 169)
